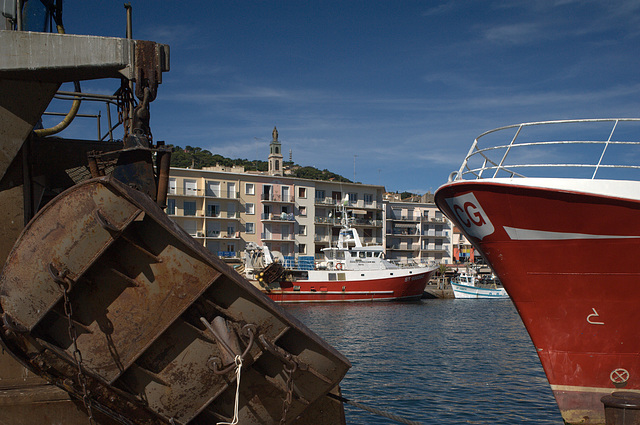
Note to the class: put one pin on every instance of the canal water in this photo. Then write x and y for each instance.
(436, 361)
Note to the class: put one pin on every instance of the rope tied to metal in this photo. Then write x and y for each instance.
(236, 419)
(373, 410)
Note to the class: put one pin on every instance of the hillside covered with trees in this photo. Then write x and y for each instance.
(194, 157)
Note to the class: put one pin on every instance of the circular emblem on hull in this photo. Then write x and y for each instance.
(619, 377)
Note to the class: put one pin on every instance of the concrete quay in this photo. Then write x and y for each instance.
(433, 291)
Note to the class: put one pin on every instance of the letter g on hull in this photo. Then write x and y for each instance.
(470, 215)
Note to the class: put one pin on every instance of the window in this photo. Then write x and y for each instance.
(285, 194)
(250, 208)
(231, 211)
(302, 229)
(213, 229)
(303, 211)
(213, 210)
(189, 207)
(368, 198)
(213, 189)
(172, 186)
(190, 187)
(353, 197)
(190, 226)
(249, 189)
(302, 248)
(320, 195)
(171, 206)
(231, 230)
(250, 228)
(285, 232)
(302, 192)
(231, 190)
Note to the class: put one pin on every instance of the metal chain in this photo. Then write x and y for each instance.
(77, 356)
(289, 398)
(125, 102)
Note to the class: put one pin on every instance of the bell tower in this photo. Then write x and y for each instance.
(275, 155)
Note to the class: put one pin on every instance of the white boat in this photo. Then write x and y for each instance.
(350, 272)
(465, 286)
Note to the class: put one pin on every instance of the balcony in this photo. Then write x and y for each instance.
(366, 222)
(410, 218)
(174, 191)
(437, 220)
(404, 232)
(349, 204)
(437, 234)
(276, 237)
(232, 195)
(222, 215)
(326, 220)
(326, 201)
(435, 248)
(402, 247)
(215, 234)
(276, 197)
(278, 217)
(331, 221)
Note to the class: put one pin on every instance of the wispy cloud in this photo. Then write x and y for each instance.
(522, 33)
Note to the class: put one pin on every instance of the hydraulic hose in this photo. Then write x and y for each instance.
(74, 107)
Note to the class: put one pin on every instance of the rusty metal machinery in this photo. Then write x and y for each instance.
(110, 300)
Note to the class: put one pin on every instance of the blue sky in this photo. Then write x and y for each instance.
(404, 85)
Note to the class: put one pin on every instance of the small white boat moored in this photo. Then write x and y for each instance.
(464, 286)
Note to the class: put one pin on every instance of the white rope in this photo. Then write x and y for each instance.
(236, 419)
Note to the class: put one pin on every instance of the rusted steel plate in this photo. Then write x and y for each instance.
(142, 300)
(66, 234)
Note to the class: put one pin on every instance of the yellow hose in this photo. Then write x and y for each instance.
(70, 115)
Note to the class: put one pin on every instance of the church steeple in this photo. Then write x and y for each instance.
(275, 155)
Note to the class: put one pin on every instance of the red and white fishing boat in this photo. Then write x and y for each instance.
(350, 272)
(558, 219)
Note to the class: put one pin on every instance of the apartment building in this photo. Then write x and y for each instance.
(417, 231)
(225, 209)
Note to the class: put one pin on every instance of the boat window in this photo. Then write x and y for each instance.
(332, 276)
(341, 276)
(361, 254)
(340, 255)
(369, 254)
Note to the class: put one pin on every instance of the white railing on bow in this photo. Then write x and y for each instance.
(492, 161)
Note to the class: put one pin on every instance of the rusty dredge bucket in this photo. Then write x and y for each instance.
(107, 298)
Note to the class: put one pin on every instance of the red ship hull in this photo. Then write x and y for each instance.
(389, 288)
(569, 262)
